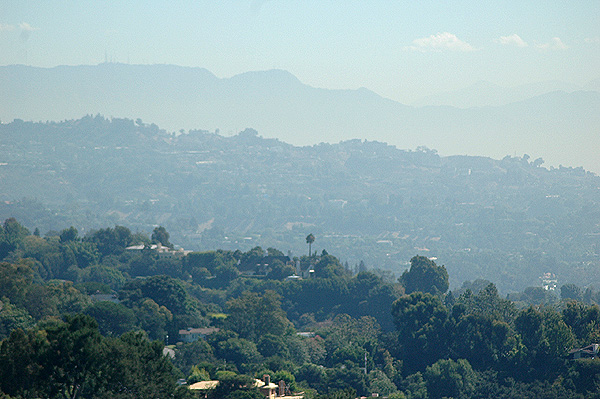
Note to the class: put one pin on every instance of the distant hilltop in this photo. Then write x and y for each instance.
(562, 127)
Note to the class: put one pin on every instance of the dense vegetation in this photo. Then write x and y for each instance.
(507, 221)
(365, 332)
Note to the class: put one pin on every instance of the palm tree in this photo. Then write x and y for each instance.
(309, 240)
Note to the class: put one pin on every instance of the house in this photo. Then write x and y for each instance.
(587, 352)
(194, 334)
(273, 391)
(162, 251)
(266, 387)
(306, 334)
(203, 387)
(549, 281)
(308, 272)
(98, 297)
(168, 253)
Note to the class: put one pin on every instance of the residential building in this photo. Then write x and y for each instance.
(194, 334)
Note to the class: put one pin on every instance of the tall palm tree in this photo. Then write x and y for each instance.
(309, 240)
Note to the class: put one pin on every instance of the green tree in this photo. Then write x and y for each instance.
(421, 321)
(274, 252)
(313, 374)
(111, 241)
(41, 302)
(309, 240)
(584, 321)
(483, 341)
(346, 378)
(105, 275)
(273, 345)
(547, 340)
(586, 373)
(197, 374)
(415, 387)
(193, 353)
(425, 276)
(280, 270)
(225, 274)
(85, 253)
(239, 351)
(529, 324)
(153, 318)
(15, 279)
(113, 319)
(75, 346)
(160, 235)
(346, 393)
(329, 266)
(571, 291)
(253, 315)
(164, 290)
(68, 235)
(349, 339)
(21, 368)
(68, 298)
(135, 367)
(197, 264)
(379, 383)
(70, 357)
(13, 317)
(12, 234)
(450, 379)
(233, 385)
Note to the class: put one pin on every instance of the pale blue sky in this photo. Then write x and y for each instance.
(403, 50)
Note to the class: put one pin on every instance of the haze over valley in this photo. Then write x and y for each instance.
(506, 220)
(560, 126)
(299, 199)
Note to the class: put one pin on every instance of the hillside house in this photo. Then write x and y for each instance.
(264, 386)
(272, 391)
(587, 352)
(203, 387)
(162, 251)
(194, 334)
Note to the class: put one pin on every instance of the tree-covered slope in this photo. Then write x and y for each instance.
(508, 220)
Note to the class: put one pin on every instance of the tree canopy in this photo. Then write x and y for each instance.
(425, 276)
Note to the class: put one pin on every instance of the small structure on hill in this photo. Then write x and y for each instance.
(194, 334)
(587, 352)
(162, 251)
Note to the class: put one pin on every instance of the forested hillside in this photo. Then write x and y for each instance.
(551, 123)
(508, 221)
(89, 316)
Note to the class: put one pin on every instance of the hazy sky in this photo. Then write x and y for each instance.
(400, 49)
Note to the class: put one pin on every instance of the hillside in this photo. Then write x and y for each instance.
(562, 127)
(508, 220)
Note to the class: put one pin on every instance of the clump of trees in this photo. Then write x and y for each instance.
(361, 334)
(69, 358)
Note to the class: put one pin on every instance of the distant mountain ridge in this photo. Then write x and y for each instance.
(483, 94)
(562, 127)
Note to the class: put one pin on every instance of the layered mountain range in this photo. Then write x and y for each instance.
(562, 126)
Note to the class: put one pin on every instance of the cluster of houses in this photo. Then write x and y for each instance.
(280, 390)
(265, 386)
(162, 251)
